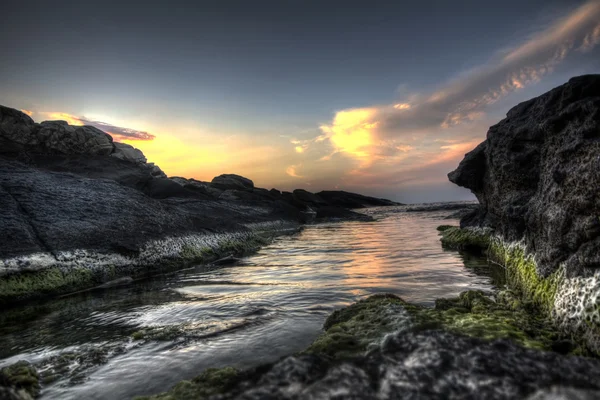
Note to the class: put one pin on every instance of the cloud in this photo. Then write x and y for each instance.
(432, 130)
(291, 171)
(118, 133)
(30, 113)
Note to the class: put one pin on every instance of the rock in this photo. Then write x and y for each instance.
(537, 175)
(308, 198)
(19, 381)
(18, 132)
(16, 129)
(155, 171)
(77, 211)
(344, 199)
(60, 137)
(408, 355)
(129, 153)
(564, 393)
(126, 280)
(231, 181)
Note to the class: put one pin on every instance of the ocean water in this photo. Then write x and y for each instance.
(271, 304)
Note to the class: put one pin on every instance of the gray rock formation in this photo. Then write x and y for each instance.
(423, 365)
(537, 177)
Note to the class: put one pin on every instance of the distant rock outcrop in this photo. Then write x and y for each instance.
(232, 181)
(344, 199)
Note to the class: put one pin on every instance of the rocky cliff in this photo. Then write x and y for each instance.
(537, 179)
(77, 210)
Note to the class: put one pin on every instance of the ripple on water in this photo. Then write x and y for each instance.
(271, 304)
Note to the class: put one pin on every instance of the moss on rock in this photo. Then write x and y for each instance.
(351, 329)
(22, 376)
(522, 274)
(473, 313)
(456, 238)
(159, 333)
(46, 282)
(210, 382)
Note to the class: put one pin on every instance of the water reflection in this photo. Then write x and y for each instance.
(272, 304)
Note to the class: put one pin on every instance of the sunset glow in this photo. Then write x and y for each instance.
(322, 115)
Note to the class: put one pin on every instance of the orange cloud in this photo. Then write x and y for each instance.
(291, 171)
(30, 113)
(351, 131)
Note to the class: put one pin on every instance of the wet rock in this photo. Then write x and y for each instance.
(383, 347)
(536, 177)
(537, 174)
(19, 381)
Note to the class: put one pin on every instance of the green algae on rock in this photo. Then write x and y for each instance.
(352, 329)
(210, 382)
(456, 238)
(573, 304)
(69, 273)
(21, 376)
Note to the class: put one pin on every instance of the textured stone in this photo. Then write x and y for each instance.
(537, 176)
(129, 153)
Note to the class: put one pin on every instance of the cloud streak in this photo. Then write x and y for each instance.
(406, 130)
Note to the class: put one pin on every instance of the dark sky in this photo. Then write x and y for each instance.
(263, 75)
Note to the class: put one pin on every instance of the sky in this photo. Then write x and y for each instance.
(382, 98)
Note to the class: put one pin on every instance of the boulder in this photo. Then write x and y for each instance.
(232, 181)
(60, 137)
(308, 198)
(17, 130)
(129, 153)
(537, 177)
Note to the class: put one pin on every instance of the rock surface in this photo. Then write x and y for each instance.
(77, 210)
(537, 177)
(383, 347)
(420, 365)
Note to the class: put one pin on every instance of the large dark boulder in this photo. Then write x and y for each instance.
(308, 198)
(537, 177)
(232, 181)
